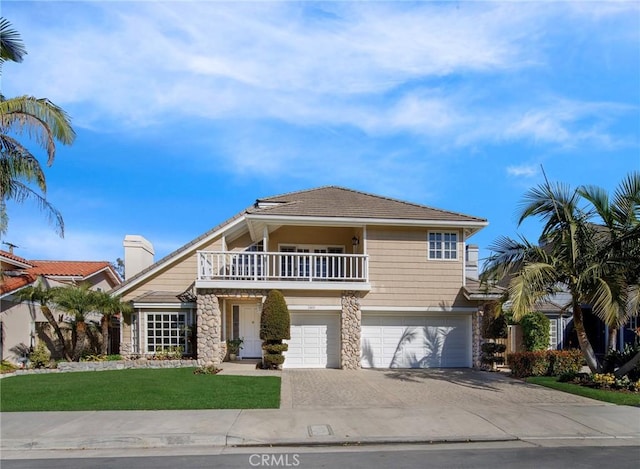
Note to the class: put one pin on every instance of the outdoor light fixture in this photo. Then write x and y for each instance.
(355, 241)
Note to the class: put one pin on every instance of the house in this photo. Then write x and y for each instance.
(369, 281)
(22, 323)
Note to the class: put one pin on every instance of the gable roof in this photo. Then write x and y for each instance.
(339, 202)
(328, 203)
(71, 270)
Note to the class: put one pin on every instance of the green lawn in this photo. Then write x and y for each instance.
(614, 397)
(139, 389)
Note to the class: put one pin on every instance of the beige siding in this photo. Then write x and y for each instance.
(175, 277)
(401, 275)
(311, 236)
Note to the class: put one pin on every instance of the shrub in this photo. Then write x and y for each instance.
(615, 359)
(40, 357)
(273, 360)
(544, 363)
(275, 325)
(275, 348)
(7, 367)
(207, 370)
(565, 361)
(489, 351)
(535, 331)
(169, 353)
(275, 322)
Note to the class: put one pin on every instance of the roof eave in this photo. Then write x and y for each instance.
(356, 221)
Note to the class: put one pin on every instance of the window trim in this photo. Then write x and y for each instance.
(442, 246)
(184, 334)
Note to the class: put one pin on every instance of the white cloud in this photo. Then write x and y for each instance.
(526, 171)
(384, 68)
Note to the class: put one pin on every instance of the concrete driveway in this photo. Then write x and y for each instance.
(465, 388)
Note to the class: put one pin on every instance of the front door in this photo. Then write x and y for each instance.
(250, 331)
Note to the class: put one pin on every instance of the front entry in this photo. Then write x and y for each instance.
(249, 330)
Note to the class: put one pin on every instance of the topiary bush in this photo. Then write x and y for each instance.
(489, 351)
(535, 331)
(275, 326)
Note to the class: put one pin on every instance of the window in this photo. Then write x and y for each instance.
(166, 330)
(443, 246)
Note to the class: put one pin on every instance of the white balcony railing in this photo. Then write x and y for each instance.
(282, 266)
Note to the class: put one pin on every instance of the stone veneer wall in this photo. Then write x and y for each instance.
(209, 329)
(476, 340)
(350, 327)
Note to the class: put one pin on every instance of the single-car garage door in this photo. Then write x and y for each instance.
(315, 341)
(400, 341)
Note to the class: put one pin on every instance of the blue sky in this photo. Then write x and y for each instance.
(186, 112)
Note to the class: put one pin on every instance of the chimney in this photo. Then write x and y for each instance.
(138, 255)
(471, 261)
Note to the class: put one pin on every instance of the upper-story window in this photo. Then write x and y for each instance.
(443, 246)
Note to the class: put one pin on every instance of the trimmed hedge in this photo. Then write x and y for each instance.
(275, 348)
(544, 363)
(275, 322)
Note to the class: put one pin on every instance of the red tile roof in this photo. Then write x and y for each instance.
(67, 268)
(28, 275)
(12, 256)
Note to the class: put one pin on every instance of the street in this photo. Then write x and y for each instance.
(477, 456)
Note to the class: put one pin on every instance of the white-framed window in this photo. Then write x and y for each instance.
(167, 330)
(443, 245)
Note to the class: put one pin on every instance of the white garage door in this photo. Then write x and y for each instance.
(315, 341)
(400, 341)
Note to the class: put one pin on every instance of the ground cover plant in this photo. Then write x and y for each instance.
(137, 389)
(619, 397)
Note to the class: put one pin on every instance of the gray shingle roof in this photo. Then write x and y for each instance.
(338, 202)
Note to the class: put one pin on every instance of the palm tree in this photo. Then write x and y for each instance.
(77, 301)
(11, 45)
(38, 118)
(37, 294)
(48, 123)
(574, 255)
(109, 306)
(619, 246)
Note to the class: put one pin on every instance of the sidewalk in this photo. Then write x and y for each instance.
(467, 418)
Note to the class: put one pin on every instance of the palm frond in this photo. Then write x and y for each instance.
(11, 45)
(21, 192)
(40, 119)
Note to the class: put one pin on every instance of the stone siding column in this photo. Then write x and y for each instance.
(350, 326)
(209, 326)
(476, 326)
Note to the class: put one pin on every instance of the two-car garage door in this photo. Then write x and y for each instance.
(315, 341)
(401, 341)
(393, 340)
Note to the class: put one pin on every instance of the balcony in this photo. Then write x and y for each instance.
(282, 270)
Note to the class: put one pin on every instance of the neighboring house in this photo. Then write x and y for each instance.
(369, 281)
(20, 322)
(562, 335)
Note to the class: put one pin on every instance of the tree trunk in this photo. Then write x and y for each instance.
(585, 346)
(56, 328)
(611, 341)
(627, 367)
(81, 338)
(104, 322)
